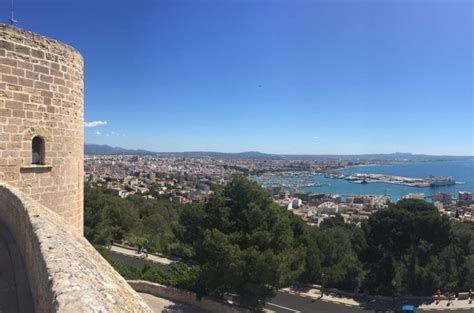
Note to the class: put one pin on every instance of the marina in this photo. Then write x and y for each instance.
(395, 180)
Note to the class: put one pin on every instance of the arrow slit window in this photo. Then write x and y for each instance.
(37, 150)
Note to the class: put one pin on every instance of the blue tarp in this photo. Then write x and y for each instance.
(408, 308)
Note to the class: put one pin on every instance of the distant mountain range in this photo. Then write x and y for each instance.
(105, 149)
(94, 149)
(375, 156)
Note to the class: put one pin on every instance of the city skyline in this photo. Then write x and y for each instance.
(311, 77)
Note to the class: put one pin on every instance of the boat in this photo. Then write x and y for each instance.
(441, 181)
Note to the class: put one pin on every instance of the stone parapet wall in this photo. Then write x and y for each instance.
(183, 296)
(65, 272)
(42, 94)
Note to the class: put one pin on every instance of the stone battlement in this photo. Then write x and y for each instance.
(59, 52)
(65, 272)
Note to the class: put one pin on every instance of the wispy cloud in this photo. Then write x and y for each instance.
(94, 124)
(114, 134)
(315, 137)
(98, 133)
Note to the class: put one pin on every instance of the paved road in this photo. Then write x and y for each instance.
(287, 303)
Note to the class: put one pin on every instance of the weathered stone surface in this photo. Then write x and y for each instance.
(65, 272)
(183, 296)
(165, 305)
(41, 86)
(15, 291)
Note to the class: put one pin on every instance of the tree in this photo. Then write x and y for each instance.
(144, 222)
(339, 262)
(313, 269)
(244, 243)
(404, 236)
(461, 254)
(333, 221)
(247, 246)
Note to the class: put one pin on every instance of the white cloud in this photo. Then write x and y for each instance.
(98, 133)
(94, 124)
(315, 137)
(116, 134)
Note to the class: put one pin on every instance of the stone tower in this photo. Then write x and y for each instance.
(41, 121)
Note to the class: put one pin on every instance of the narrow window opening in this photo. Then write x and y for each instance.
(38, 150)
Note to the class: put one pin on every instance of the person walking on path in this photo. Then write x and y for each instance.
(470, 296)
(145, 251)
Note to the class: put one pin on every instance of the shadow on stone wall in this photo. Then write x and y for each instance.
(65, 272)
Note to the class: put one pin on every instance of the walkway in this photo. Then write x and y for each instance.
(15, 295)
(151, 257)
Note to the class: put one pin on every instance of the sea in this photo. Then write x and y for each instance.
(460, 170)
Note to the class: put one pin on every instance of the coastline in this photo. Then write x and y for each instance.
(461, 171)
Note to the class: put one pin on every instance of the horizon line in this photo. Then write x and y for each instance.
(280, 154)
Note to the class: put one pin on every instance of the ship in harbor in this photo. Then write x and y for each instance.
(440, 181)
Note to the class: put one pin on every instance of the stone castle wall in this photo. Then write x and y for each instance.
(41, 94)
(65, 272)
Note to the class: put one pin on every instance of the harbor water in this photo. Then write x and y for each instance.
(459, 170)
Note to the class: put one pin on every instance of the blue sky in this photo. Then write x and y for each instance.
(300, 77)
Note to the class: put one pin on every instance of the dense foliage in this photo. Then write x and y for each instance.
(179, 275)
(245, 245)
(407, 249)
(139, 221)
